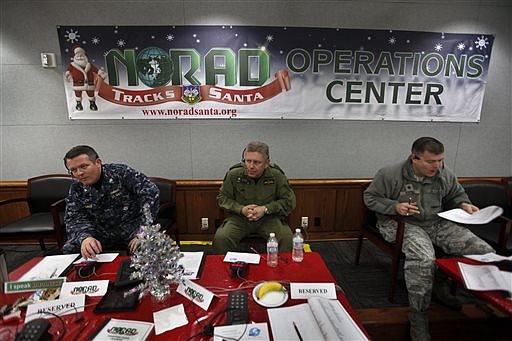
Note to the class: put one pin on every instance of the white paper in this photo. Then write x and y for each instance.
(169, 318)
(249, 258)
(49, 267)
(282, 319)
(319, 319)
(488, 257)
(485, 277)
(100, 258)
(118, 330)
(59, 307)
(243, 332)
(89, 288)
(482, 216)
(306, 290)
(191, 262)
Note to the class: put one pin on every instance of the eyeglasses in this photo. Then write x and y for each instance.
(82, 167)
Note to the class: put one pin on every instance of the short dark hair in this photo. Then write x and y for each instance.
(257, 146)
(428, 144)
(80, 150)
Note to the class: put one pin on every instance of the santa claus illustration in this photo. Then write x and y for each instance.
(83, 74)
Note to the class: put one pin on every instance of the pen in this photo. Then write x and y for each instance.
(297, 331)
(410, 201)
(256, 252)
(53, 273)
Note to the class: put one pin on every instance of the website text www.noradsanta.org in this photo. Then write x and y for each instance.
(204, 112)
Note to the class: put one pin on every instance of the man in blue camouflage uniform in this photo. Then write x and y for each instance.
(257, 197)
(418, 189)
(105, 206)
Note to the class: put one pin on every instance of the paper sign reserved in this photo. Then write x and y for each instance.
(59, 307)
(307, 290)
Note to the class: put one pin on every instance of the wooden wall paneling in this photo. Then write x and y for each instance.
(201, 204)
(349, 207)
(316, 204)
(11, 212)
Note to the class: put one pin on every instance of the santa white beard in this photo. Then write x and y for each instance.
(82, 61)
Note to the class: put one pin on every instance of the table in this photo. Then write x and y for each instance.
(215, 276)
(494, 297)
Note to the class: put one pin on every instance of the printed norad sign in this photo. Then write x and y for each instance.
(264, 72)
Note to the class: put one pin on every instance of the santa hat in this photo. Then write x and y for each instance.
(78, 48)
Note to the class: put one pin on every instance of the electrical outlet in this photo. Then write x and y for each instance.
(304, 222)
(204, 224)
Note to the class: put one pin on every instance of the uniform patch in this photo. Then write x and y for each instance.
(269, 182)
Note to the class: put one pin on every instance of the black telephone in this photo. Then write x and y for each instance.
(35, 330)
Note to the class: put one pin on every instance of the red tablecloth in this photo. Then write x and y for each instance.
(496, 298)
(215, 276)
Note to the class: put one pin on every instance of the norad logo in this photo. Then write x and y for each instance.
(85, 289)
(156, 67)
(122, 331)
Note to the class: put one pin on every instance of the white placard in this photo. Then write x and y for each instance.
(59, 307)
(127, 330)
(307, 290)
(89, 288)
(196, 293)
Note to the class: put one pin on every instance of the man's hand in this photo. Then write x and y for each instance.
(406, 209)
(132, 246)
(469, 208)
(253, 212)
(90, 247)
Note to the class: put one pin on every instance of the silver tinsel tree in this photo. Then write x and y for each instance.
(155, 260)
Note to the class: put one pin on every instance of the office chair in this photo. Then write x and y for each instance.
(167, 212)
(370, 231)
(45, 201)
(483, 193)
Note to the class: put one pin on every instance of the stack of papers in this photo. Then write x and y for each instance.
(484, 216)
(485, 277)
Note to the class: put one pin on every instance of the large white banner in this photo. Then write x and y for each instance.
(257, 72)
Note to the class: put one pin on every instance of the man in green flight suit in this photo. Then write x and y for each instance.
(257, 197)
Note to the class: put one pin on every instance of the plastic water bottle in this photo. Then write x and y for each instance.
(272, 249)
(298, 246)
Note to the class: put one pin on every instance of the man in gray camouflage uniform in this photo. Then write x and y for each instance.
(105, 206)
(417, 190)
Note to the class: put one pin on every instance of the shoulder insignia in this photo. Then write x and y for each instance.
(273, 165)
(237, 165)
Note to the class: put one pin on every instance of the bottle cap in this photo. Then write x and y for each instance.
(272, 234)
(297, 230)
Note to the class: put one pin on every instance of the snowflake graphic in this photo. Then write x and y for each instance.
(461, 46)
(392, 40)
(270, 38)
(438, 47)
(169, 37)
(72, 36)
(95, 40)
(481, 42)
(121, 43)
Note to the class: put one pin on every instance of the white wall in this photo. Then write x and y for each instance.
(35, 131)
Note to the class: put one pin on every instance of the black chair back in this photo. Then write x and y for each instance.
(45, 190)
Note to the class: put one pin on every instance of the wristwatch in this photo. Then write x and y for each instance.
(266, 210)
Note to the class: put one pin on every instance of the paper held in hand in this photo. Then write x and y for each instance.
(485, 277)
(483, 216)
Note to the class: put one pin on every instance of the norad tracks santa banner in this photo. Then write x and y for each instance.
(262, 72)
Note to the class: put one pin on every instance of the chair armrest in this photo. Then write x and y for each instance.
(12, 200)
(506, 227)
(400, 229)
(58, 225)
